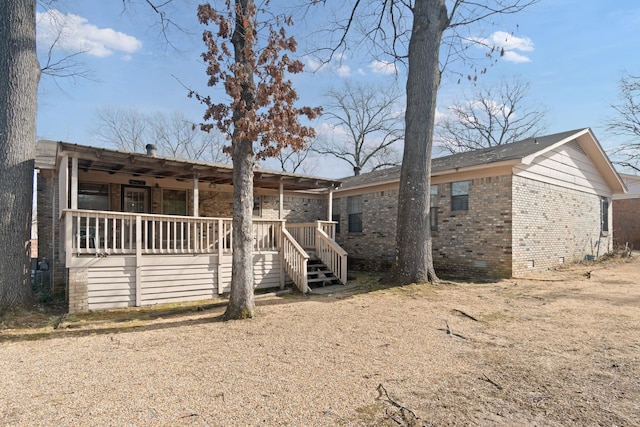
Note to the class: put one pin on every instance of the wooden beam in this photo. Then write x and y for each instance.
(74, 183)
(63, 185)
(196, 196)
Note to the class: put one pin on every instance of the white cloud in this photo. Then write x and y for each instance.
(509, 44)
(511, 56)
(312, 64)
(383, 67)
(75, 34)
(336, 65)
(343, 70)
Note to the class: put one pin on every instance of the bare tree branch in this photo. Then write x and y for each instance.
(371, 121)
(490, 116)
(173, 135)
(625, 122)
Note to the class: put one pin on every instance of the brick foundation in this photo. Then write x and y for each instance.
(78, 296)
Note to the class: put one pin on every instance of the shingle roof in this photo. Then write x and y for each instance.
(485, 156)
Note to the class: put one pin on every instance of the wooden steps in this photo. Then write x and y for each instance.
(319, 275)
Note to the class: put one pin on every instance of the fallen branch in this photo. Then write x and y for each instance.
(190, 415)
(449, 331)
(409, 417)
(490, 381)
(465, 314)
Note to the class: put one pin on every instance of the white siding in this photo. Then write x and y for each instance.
(267, 270)
(168, 278)
(566, 166)
(111, 286)
(177, 278)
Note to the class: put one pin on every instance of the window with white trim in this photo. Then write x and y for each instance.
(604, 216)
(354, 209)
(433, 209)
(460, 196)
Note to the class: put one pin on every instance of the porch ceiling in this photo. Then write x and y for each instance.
(136, 164)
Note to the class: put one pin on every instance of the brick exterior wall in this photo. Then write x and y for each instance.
(554, 225)
(304, 209)
(296, 209)
(374, 247)
(475, 243)
(48, 231)
(626, 222)
(218, 204)
(513, 225)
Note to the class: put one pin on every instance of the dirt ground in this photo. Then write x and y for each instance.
(560, 348)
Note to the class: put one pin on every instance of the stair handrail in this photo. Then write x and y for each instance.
(332, 255)
(295, 261)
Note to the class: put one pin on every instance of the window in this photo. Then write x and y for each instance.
(433, 210)
(174, 202)
(257, 206)
(460, 196)
(93, 196)
(604, 216)
(136, 199)
(354, 209)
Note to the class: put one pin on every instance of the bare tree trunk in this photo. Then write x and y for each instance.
(414, 261)
(19, 75)
(241, 302)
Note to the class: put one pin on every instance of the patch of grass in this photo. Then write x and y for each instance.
(37, 316)
(370, 414)
(146, 313)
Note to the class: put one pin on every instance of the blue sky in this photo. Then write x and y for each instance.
(571, 52)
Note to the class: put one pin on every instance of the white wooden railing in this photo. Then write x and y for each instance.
(332, 255)
(320, 237)
(87, 232)
(305, 233)
(295, 261)
(104, 232)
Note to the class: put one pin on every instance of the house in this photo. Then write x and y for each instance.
(626, 214)
(121, 229)
(496, 212)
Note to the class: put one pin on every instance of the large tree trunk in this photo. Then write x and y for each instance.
(414, 261)
(19, 74)
(241, 302)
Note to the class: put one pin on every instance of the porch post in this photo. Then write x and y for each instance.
(330, 209)
(138, 261)
(196, 196)
(63, 185)
(281, 198)
(74, 183)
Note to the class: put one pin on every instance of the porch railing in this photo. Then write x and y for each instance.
(319, 236)
(305, 233)
(332, 255)
(104, 232)
(295, 261)
(87, 232)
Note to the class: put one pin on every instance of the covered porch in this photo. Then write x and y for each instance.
(122, 240)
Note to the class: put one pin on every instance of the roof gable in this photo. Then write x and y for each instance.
(520, 152)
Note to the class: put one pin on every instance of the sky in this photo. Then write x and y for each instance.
(572, 53)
